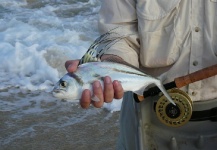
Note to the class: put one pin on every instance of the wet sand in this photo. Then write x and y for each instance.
(36, 120)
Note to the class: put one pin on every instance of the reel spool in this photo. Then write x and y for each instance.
(174, 116)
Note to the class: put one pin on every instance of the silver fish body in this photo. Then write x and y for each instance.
(71, 85)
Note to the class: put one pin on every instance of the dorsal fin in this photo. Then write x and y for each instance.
(100, 45)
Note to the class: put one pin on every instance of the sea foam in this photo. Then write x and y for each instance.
(37, 37)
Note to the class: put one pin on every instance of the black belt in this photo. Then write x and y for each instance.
(210, 114)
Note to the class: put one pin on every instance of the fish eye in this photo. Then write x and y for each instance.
(63, 84)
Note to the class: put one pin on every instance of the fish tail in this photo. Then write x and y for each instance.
(163, 90)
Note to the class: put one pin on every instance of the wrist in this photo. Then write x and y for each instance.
(110, 57)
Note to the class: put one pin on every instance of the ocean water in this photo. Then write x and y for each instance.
(36, 38)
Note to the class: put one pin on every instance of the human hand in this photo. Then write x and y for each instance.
(111, 89)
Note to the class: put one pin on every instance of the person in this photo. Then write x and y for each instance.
(173, 38)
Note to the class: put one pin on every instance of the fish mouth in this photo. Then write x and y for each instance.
(57, 92)
(57, 89)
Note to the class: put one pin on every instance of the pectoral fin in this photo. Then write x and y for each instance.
(139, 92)
(95, 98)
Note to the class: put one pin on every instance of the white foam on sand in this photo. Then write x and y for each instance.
(36, 41)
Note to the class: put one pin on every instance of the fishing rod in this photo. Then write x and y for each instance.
(182, 81)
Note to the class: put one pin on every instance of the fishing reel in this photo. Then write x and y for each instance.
(174, 115)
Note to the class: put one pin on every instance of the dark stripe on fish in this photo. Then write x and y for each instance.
(77, 78)
(98, 77)
(128, 72)
(119, 60)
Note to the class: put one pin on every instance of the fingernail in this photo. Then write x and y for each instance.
(69, 66)
(116, 82)
(107, 80)
(97, 84)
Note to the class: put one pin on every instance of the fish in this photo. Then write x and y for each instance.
(71, 85)
(91, 68)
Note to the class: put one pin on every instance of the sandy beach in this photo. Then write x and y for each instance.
(36, 120)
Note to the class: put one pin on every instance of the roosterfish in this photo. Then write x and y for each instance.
(90, 69)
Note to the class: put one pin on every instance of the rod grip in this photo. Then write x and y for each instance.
(196, 76)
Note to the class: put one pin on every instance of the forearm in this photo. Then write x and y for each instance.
(124, 51)
(125, 25)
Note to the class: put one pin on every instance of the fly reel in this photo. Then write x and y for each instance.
(171, 115)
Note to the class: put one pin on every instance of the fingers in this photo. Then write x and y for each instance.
(118, 90)
(71, 65)
(111, 91)
(108, 90)
(98, 92)
(85, 99)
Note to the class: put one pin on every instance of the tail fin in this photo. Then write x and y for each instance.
(163, 90)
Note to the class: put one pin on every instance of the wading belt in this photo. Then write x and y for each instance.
(180, 114)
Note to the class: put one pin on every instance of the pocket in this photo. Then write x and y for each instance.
(156, 26)
(155, 9)
(159, 48)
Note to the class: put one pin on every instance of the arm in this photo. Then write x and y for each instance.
(122, 16)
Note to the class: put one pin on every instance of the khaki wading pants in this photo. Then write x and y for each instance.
(140, 128)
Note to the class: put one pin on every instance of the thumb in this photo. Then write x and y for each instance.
(71, 65)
